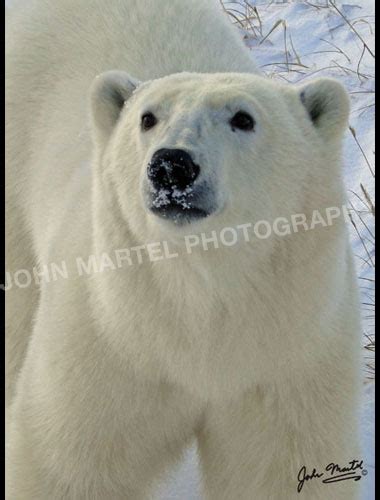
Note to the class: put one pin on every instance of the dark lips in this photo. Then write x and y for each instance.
(178, 213)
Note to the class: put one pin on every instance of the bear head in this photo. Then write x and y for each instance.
(210, 150)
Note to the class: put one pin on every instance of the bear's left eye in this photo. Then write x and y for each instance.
(148, 121)
(242, 121)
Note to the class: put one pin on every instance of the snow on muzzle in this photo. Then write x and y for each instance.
(173, 192)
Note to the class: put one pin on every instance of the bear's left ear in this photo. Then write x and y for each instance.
(109, 92)
(327, 104)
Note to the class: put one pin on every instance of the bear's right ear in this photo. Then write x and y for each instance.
(109, 92)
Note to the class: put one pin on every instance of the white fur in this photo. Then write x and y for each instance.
(253, 349)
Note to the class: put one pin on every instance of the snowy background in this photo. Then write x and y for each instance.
(295, 40)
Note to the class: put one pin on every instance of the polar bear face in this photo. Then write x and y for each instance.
(201, 149)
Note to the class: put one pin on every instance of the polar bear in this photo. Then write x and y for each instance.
(140, 128)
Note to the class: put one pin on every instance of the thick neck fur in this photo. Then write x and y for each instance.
(217, 314)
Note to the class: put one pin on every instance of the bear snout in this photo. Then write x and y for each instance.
(173, 188)
(172, 168)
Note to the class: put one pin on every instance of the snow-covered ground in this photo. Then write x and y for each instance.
(295, 40)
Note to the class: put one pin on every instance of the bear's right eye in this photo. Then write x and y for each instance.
(148, 121)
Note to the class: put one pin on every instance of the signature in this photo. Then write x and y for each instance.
(332, 473)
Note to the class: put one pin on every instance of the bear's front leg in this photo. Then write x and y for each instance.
(85, 425)
(105, 450)
(275, 442)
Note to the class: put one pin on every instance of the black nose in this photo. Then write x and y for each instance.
(171, 168)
